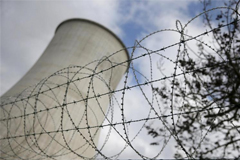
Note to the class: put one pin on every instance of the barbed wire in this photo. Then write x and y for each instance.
(56, 121)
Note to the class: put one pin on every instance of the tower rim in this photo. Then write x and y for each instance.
(98, 24)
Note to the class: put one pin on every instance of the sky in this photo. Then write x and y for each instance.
(28, 26)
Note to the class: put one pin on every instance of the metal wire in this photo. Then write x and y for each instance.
(29, 109)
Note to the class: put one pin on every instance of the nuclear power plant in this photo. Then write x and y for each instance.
(54, 110)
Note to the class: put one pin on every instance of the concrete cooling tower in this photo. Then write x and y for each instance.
(55, 110)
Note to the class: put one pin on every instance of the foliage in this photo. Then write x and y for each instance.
(209, 96)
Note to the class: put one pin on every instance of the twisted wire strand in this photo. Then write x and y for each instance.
(29, 108)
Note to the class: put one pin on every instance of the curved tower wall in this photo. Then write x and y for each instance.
(54, 117)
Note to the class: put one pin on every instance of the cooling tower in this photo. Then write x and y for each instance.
(55, 110)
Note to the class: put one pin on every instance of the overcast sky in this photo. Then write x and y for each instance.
(28, 26)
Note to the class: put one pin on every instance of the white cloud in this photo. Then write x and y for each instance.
(28, 26)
